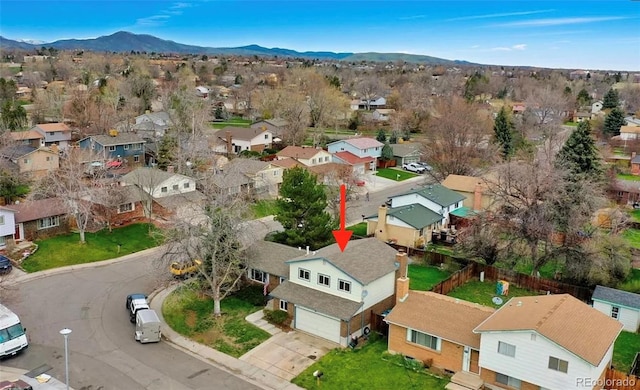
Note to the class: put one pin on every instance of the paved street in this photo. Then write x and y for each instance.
(103, 352)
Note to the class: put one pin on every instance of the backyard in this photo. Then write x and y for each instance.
(369, 367)
(190, 313)
(628, 176)
(625, 349)
(483, 292)
(236, 122)
(264, 208)
(632, 236)
(632, 283)
(422, 277)
(395, 174)
(66, 250)
(359, 229)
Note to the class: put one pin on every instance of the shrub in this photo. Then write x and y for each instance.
(253, 294)
(277, 317)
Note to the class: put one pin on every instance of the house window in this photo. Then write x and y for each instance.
(176, 187)
(266, 136)
(507, 380)
(51, 133)
(112, 148)
(283, 305)
(343, 285)
(26, 161)
(324, 280)
(558, 364)
(423, 339)
(258, 276)
(326, 159)
(126, 207)
(186, 185)
(615, 311)
(506, 349)
(1, 219)
(533, 337)
(304, 274)
(137, 146)
(282, 279)
(48, 158)
(163, 189)
(126, 147)
(313, 161)
(48, 222)
(3, 241)
(136, 158)
(276, 173)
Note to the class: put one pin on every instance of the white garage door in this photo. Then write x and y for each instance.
(317, 324)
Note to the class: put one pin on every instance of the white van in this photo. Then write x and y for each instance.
(13, 338)
(147, 326)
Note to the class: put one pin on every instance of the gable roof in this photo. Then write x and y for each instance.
(271, 257)
(299, 152)
(120, 139)
(37, 209)
(149, 177)
(287, 163)
(342, 170)
(437, 193)
(630, 129)
(276, 122)
(52, 127)
(563, 319)
(449, 318)
(612, 295)
(246, 166)
(240, 133)
(25, 135)
(351, 158)
(364, 260)
(329, 304)
(17, 151)
(160, 117)
(404, 150)
(363, 142)
(229, 180)
(414, 215)
(463, 183)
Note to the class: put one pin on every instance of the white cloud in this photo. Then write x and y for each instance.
(162, 16)
(559, 21)
(501, 15)
(520, 46)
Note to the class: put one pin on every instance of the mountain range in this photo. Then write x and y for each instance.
(123, 41)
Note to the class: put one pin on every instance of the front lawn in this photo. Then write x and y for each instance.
(66, 250)
(632, 236)
(264, 208)
(366, 368)
(359, 229)
(191, 314)
(422, 277)
(482, 292)
(628, 177)
(625, 349)
(395, 174)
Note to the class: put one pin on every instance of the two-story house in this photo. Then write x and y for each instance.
(7, 226)
(54, 134)
(29, 138)
(36, 162)
(152, 125)
(435, 197)
(546, 342)
(233, 140)
(308, 156)
(356, 151)
(122, 147)
(276, 126)
(332, 294)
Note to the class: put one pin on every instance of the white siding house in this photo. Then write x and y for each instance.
(620, 305)
(160, 184)
(361, 147)
(7, 225)
(435, 197)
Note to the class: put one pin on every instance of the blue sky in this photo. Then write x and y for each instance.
(566, 34)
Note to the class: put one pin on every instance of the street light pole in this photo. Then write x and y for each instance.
(66, 332)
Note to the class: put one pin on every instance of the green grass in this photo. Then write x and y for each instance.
(264, 208)
(627, 176)
(547, 271)
(367, 368)
(359, 229)
(190, 314)
(392, 174)
(574, 124)
(632, 283)
(66, 250)
(625, 349)
(635, 215)
(632, 236)
(444, 249)
(423, 277)
(237, 122)
(482, 292)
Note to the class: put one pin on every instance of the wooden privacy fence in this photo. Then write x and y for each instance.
(456, 279)
(618, 380)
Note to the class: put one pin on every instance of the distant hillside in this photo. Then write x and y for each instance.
(124, 42)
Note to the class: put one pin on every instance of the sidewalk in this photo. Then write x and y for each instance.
(244, 370)
(12, 374)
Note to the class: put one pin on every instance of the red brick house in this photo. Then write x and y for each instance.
(39, 219)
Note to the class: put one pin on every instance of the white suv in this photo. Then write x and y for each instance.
(413, 167)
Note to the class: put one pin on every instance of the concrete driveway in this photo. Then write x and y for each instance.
(288, 354)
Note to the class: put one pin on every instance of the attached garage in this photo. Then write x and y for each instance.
(317, 324)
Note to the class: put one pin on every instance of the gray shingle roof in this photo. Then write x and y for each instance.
(147, 177)
(404, 150)
(241, 133)
(16, 151)
(415, 215)
(271, 257)
(331, 305)
(172, 202)
(611, 295)
(438, 194)
(120, 139)
(364, 260)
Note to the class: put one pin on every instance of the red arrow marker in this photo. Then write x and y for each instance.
(342, 236)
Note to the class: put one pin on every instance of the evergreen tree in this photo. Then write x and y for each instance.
(301, 211)
(503, 129)
(382, 136)
(579, 153)
(583, 99)
(611, 99)
(612, 122)
(393, 138)
(387, 152)
(13, 116)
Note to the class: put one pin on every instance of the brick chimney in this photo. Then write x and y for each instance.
(229, 145)
(381, 231)
(402, 281)
(477, 197)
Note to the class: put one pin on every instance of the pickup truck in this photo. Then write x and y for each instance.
(413, 167)
(183, 269)
(136, 302)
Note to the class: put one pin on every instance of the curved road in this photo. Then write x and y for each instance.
(103, 353)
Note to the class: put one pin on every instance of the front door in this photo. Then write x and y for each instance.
(17, 236)
(466, 358)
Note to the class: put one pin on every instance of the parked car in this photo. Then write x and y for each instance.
(426, 166)
(135, 303)
(413, 167)
(5, 265)
(183, 269)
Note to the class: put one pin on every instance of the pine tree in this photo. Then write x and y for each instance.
(611, 99)
(613, 121)
(583, 98)
(579, 153)
(393, 138)
(382, 136)
(387, 152)
(503, 129)
(302, 212)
